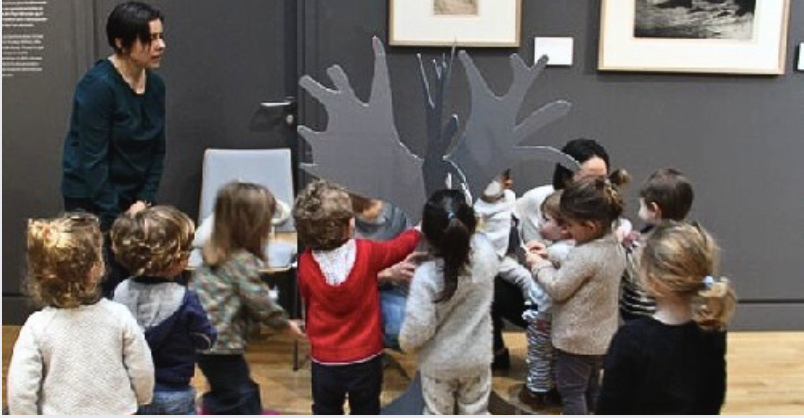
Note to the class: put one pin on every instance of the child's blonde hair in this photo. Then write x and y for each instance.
(153, 241)
(322, 213)
(680, 259)
(592, 199)
(552, 205)
(243, 213)
(65, 260)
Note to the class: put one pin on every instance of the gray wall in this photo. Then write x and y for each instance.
(737, 137)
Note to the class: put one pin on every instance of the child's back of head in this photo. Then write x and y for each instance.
(668, 194)
(243, 213)
(65, 262)
(154, 241)
(594, 202)
(680, 260)
(323, 214)
(448, 223)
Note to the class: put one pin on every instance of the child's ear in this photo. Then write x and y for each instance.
(655, 209)
(595, 228)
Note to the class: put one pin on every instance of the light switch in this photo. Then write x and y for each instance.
(801, 56)
(558, 50)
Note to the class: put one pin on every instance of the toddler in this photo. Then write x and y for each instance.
(153, 244)
(338, 285)
(539, 389)
(675, 361)
(447, 321)
(584, 289)
(665, 195)
(235, 297)
(80, 354)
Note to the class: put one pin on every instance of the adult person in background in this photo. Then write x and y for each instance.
(377, 220)
(115, 148)
(508, 300)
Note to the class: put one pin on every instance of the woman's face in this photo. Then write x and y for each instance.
(149, 55)
(592, 167)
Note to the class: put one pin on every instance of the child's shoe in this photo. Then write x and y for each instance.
(502, 360)
(537, 399)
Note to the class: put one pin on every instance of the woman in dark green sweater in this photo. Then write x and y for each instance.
(115, 147)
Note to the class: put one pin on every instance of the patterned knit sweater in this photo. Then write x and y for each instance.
(585, 292)
(82, 361)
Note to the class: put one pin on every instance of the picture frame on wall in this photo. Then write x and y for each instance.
(464, 23)
(694, 36)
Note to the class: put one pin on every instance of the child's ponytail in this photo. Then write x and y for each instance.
(714, 304)
(679, 259)
(448, 223)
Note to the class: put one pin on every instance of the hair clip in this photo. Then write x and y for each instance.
(709, 281)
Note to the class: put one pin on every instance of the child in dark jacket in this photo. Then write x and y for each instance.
(154, 245)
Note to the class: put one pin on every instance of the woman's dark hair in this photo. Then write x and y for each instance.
(581, 150)
(448, 223)
(128, 22)
(592, 199)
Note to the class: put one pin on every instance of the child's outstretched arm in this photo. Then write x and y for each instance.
(25, 374)
(386, 254)
(202, 333)
(419, 324)
(256, 297)
(138, 361)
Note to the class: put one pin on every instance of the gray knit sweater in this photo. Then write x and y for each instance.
(452, 338)
(585, 292)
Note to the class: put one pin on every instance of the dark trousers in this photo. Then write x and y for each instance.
(232, 392)
(578, 382)
(362, 382)
(115, 272)
(509, 303)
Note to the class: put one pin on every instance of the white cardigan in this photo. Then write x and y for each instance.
(453, 338)
(83, 361)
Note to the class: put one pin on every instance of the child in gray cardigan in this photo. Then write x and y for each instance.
(584, 289)
(447, 321)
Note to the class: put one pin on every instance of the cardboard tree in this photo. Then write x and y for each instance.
(361, 149)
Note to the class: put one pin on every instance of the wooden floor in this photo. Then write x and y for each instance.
(765, 373)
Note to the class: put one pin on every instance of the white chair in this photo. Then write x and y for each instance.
(270, 168)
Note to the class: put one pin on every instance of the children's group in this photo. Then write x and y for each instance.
(617, 321)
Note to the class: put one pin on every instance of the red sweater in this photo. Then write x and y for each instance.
(343, 322)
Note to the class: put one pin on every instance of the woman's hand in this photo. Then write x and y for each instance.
(136, 207)
(402, 271)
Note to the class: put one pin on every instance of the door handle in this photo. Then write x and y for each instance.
(287, 106)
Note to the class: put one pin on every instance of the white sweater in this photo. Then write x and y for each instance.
(452, 338)
(84, 361)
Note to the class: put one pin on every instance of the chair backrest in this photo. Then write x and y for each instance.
(270, 168)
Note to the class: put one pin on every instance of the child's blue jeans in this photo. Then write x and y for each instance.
(170, 402)
(392, 305)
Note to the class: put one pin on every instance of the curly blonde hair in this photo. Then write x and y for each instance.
(322, 213)
(243, 213)
(154, 241)
(65, 260)
(680, 259)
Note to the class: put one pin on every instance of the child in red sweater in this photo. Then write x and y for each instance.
(338, 284)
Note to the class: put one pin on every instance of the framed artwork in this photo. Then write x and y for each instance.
(694, 36)
(482, 23)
